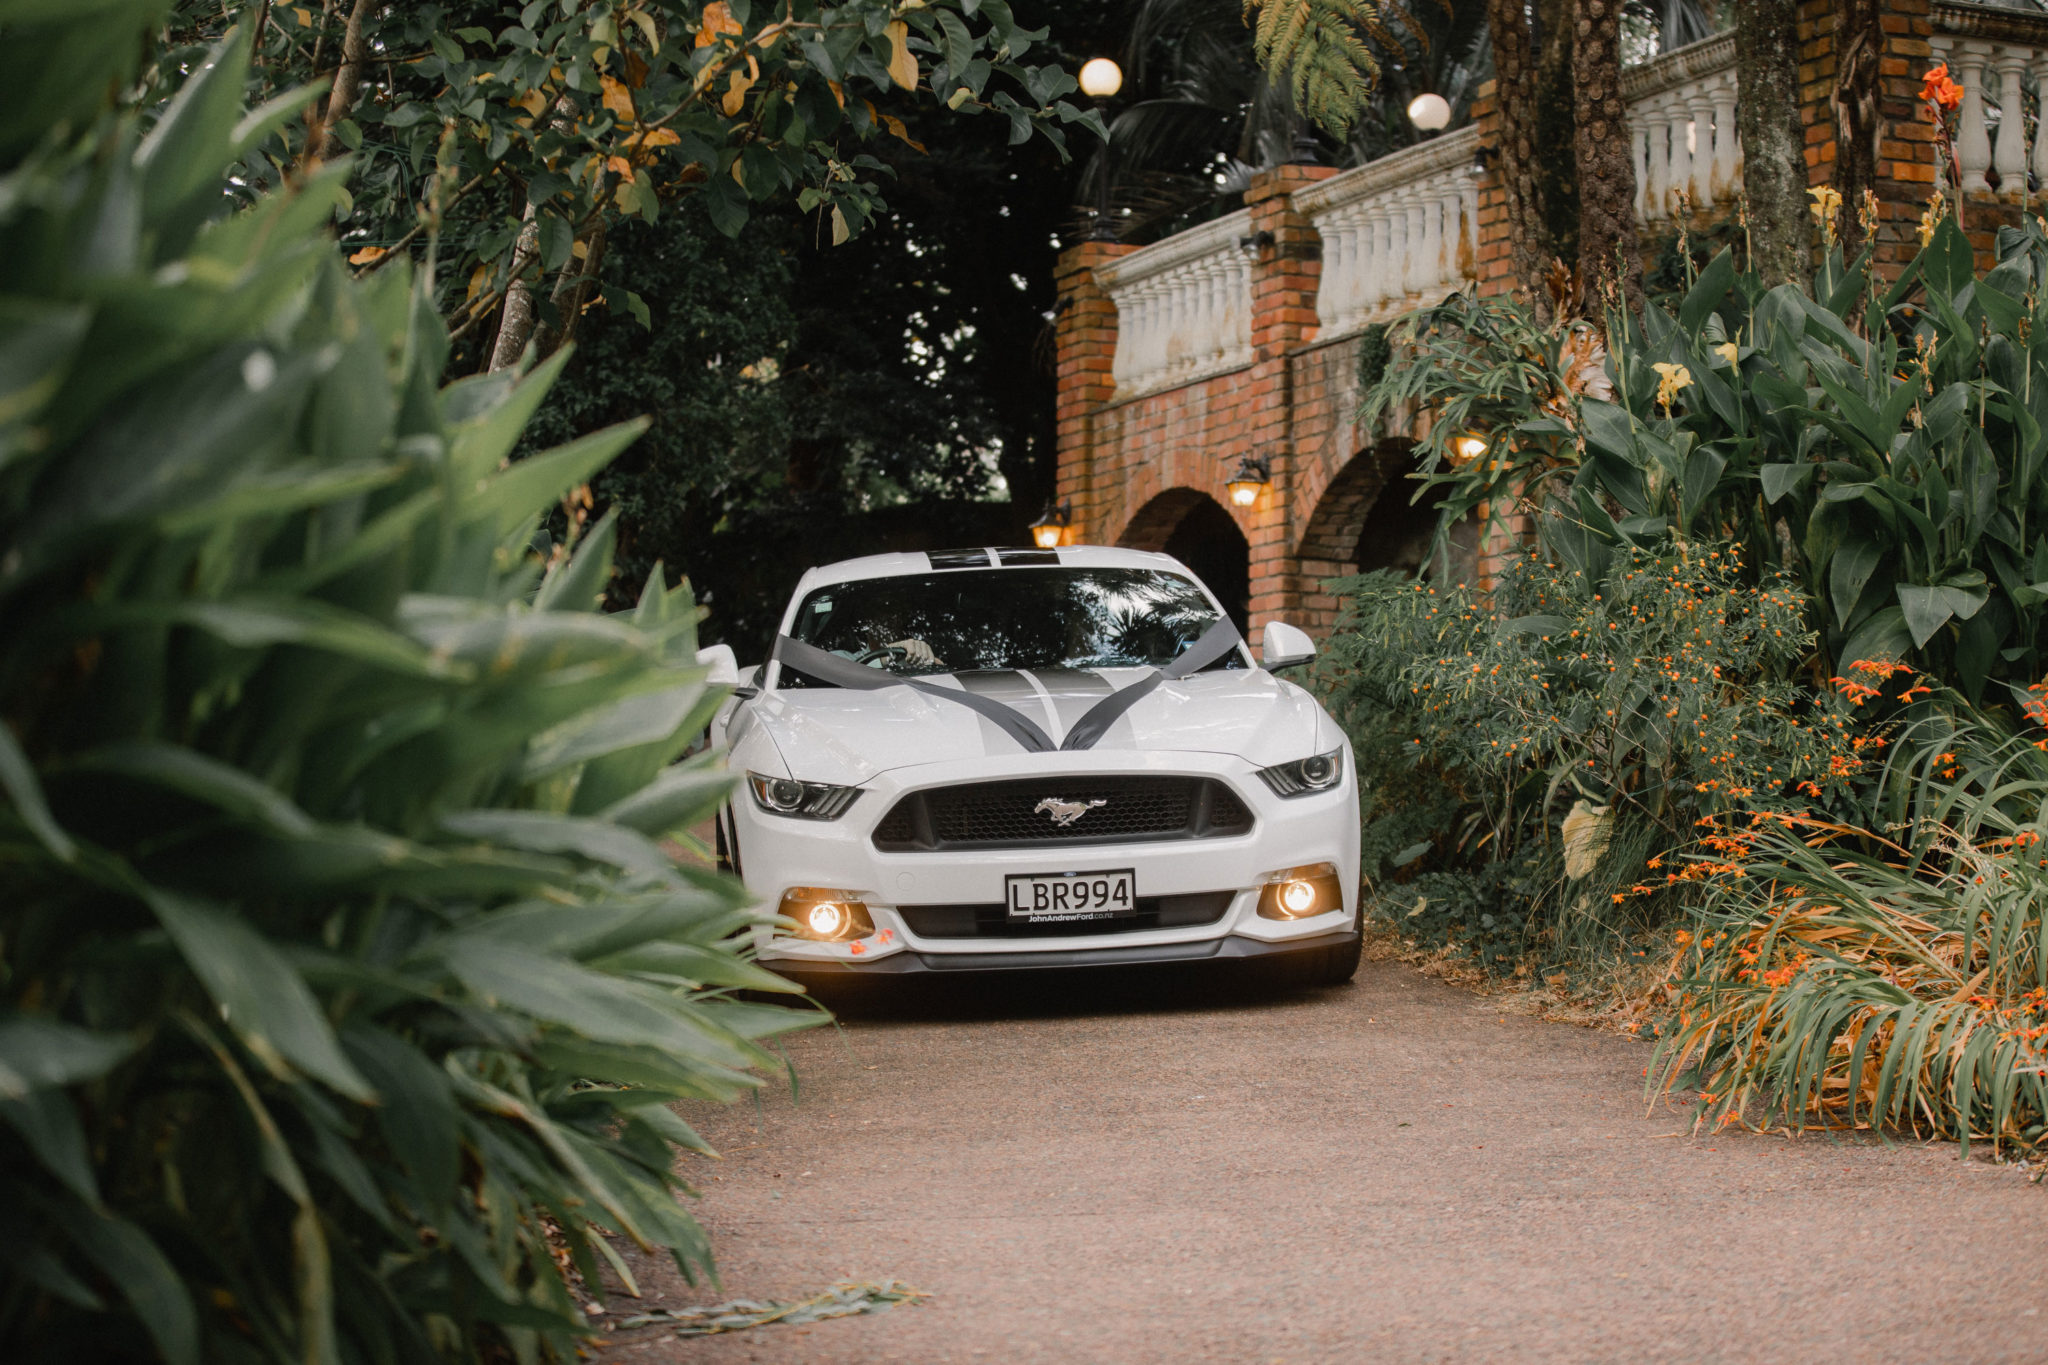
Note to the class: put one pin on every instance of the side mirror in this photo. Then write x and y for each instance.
(723, 663)
(1284, 646)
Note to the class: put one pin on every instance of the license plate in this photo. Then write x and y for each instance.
(1055, 896)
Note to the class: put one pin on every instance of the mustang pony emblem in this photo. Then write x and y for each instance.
(1063, 812)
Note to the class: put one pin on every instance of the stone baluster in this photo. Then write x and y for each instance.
(1657, 180)
(1429, 262)
(1701, 105)
(2009, 157)
(1416, 253)
(1973, 141)
(1727, 177)
(1449, 202)
(1678, 131)
(1386, 261)
(1359, 229)
(1339, 263)
(2041, 135)
(1240, 315)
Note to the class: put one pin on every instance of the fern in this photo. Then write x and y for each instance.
(1321, 52)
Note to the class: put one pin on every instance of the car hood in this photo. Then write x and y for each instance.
(830, 734)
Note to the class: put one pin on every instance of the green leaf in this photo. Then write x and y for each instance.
(48, 1123)
(1885, 636)
(192, 143)
(36, 1054)
(220, 785)
(259, 993)
(145, 1277)
(25, 795)
(1848, 572)
(1780, 479)
(1927, 610)
(540, 832)
(535, 483)
(680, 797)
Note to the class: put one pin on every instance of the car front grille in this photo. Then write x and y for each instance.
(993, 920)
(1017, 814)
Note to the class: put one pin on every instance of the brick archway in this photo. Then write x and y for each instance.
(1331, 535)
(1200, 532)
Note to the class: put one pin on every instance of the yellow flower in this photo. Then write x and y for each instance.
(1827, 202)
(1936, 208)
(1670, 379)
(1727, 351)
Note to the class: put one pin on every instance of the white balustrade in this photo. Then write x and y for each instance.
(1397, 232)
(1183, 307)
(1682, 130)
(1994, 73)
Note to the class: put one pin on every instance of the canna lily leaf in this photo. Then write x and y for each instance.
(259, 994)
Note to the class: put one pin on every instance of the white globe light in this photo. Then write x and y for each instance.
(1297, 897)
(825, 919)
(1101, 78)
(1431, 113)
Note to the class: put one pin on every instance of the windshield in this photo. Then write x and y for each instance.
(1008, 618)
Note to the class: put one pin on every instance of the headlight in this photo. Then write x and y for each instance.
(1298, 892)
(825, 915)
(1305, 775)
(804, 800)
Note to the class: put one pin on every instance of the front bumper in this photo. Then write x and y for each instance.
(778, 852)
(1233, 946)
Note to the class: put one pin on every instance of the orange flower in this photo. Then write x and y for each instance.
(1938, 90)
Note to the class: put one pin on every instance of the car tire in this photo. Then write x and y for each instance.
(1332, 966)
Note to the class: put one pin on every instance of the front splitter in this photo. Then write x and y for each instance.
(1230, 946)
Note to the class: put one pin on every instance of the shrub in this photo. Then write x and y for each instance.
(1534, 746)
(345, 983)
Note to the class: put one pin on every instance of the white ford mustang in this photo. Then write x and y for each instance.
(994, 759)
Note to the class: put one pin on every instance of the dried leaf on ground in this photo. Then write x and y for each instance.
(843, 1300)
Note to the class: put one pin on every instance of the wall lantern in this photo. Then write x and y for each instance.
(1101, 78)
(1430, 113)
(1249, 480)
(1050, 529)
(1470, 446)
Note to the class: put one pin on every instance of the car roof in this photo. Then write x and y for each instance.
(904, 562)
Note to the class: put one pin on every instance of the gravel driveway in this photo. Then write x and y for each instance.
(1187, 1167)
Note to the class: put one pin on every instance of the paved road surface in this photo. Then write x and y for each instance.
(1182, 1168)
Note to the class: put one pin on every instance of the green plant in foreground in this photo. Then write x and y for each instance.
(342, 978)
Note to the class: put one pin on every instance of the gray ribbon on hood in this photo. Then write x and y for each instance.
(1215, 642)
(844, 672)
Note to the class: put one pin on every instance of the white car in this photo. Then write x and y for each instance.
(996, 759)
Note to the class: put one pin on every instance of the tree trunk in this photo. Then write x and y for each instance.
(348, 79)
(571, 293)
(1859, 44)
(1609, 258)
(1773, 142)
(1540, 188)
(516, 315)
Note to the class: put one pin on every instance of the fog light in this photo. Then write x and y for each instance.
(825, 915)
(1298, 892)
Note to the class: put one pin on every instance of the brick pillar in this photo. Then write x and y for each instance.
(1284, 279)
(1494, 266)
(1906, 170)
(1084, 334)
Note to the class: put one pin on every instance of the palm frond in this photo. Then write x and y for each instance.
(1321, 51)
